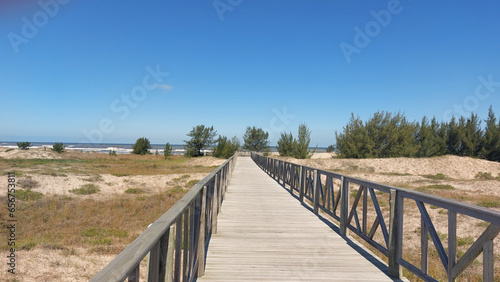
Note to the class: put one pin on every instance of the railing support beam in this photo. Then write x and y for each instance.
(344, 206)
(395, 234)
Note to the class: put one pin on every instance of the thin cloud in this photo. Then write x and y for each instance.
(164, 87)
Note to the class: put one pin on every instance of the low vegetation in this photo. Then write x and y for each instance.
(86, 189)
(167, 152)
(27, 195)
(141, 146)
(438, 176)
(58, 147)
(91, 164)
(28, 183)
(57, 221)
(296, 148)
(134, 191)
(484, 176)
(226, 148)
(24, 145)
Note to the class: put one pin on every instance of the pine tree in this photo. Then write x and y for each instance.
(454, 139)
(256, 139)
(301, 145)
(201, 137)
(167, 152)
(141, 146)
(285, 145)
(472, 136)
(491, 140)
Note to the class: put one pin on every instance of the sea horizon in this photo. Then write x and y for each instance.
(120, 148)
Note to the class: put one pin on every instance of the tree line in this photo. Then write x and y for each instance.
(254, 139)
(204, 137)
(387, 135)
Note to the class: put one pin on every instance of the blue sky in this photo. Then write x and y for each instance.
(114, 71)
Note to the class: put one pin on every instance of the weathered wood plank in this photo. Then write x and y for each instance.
(266, 234)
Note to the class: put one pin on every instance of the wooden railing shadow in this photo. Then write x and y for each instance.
(175, 245)
(330, 193)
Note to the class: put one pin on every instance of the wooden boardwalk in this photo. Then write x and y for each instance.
(265, 234)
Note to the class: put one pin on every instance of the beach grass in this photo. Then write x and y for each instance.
(100, 227)
(95, 164)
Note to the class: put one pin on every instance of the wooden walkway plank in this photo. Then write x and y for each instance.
(265, 234)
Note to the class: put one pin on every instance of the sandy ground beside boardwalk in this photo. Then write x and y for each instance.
(76, 264)
(463, 168)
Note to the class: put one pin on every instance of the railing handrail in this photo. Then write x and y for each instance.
(308, 180)
(129, 259)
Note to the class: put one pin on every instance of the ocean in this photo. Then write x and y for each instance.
(118, 148)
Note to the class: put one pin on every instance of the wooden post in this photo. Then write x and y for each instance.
(215, 202)
(365, 210)
(316, 191)
(154, 263)
(395, 234)
(134, 275)
(170, 255)
(424, 246)
(292, 182)
(302, 172)
(452, 243)
(488, 261)
(185, 251)
(201, 234)
(178, 249)
(280, 171)
(344, 206)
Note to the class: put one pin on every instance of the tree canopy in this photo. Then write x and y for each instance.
(201, 138)
(141, 146)
(297, 148)
(391, 135)
(255, 139)
(226, 148)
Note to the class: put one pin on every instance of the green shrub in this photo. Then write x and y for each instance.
(94, 178)
(28, 183)
(226, 148)
(23, 145)
(297, 148)
(330, 149)
(256, 139)
(27, 195)
(168, 151)
(484, 176)
(58, 147)
(489, 204)
(8, 150)
(468, 240)
(201, 137)
(28, 246)
(439, 186)
(191, 183)
(134, 191)
(86, 189)
(438, 176)
(141, 146)
(286, 145)
(112, 153)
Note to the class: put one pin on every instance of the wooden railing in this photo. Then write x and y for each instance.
(175, 245)
(330, 192)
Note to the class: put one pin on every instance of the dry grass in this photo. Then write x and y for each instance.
(103, 228)
(93, 164)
